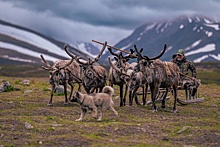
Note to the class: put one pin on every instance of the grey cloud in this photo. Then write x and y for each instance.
(126, 14)
(109, 20)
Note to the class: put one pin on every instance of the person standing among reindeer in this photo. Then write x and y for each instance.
(185, 65)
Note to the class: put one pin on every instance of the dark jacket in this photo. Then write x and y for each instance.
(186, 65)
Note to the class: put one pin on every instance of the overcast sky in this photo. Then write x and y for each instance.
(103, 20)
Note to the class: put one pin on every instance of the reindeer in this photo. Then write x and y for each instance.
(133, 81)
(93, 77)
(116, 77)
(159, 74)
(137, 80)
(61, 73)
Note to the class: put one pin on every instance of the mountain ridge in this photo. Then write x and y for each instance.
(197, 35)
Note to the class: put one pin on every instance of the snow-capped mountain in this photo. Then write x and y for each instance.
(18, 44)
(199, 37)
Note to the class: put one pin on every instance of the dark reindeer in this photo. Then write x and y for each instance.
(159, 74)
(63, 72)
(93, 77)
(116, 77)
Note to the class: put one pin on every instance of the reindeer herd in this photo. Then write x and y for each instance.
(129, 77)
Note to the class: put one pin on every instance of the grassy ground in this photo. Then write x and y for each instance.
(26, 120)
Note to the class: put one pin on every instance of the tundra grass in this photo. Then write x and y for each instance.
(193, 125)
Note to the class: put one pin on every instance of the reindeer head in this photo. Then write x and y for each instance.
(121, 61)
(145, 61)
(124, 75)
(57, 71)
(88, 68)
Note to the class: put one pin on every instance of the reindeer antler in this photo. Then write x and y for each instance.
(67, 64)
(110, 50)
(139, 56)
(73, 56)
(116, 68)
(99, 55)
(157, 57)
(146, 57)
(48, 65)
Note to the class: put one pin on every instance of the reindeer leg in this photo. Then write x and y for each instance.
(51, 95)
(164, 98)
(71, 92)
(135, 95)
(175, 98)
(92, 90)
(65, 93)
(145, 94)
(130, 98)
(154, 92)
(79, 88)
(101, 88)
(126, 90)
(110, 84)
(121, 95)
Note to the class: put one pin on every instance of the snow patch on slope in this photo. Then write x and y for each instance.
(193, 45)
(215, 26)
(207, 48)
(181, 26)
(26, 51)
(32, 39)
(198, 60)
(82, 47)
(217, 57)
(17, 59)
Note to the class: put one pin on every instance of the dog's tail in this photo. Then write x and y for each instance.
(109, 90)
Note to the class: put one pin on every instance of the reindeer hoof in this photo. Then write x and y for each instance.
(163, 106)
(99, 119)
(50, 105)
(66, 104)
(78, 119)
(155, 110)
(174, 111)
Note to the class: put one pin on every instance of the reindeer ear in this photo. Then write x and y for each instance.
(116, 59)
(141, 50)
(127, 59)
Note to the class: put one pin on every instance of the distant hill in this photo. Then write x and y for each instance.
(199, 36)
(19, 45)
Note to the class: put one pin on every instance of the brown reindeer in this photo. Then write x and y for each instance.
(93, 77)
(116, 77)
(159, 74)
(137, 80)
(63, 72)
(133, 81)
